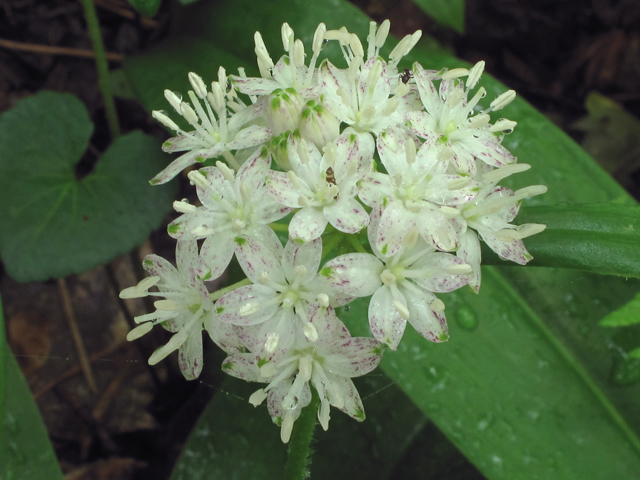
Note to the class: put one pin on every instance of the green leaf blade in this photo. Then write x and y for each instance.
(599, 238)
(446, 12)
(54, 224)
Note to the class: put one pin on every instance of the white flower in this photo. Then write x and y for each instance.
(323, 185)
(290, 73)
(328, 364)
(285, 287)
(367, 95)
(217, 131)
(401, 284)
(232, 206)
(187, 308)
(447, 125)
(416, 192)
(492, 212)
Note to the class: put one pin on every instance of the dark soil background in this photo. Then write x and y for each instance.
(553, 53)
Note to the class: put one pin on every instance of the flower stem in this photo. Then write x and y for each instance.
(330, 242)
(355, 243)
(219, 293)
(279, 227)
(101, 65)
(298, 460)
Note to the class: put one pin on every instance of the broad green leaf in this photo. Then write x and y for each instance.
(25, 449)
(146, 7)
(599, 238)
(518, 393)
(628, 314)
(54, 224)
(447, 12)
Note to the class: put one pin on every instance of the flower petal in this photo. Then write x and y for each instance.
(190, 357)
(242, 366)
(256, 258)
(386, 323)
(307, 224)
(355, 274)
(280, 187)
(248, 305)
(429, 323)
(217, 252)
(307, 255)
(347, 215)
(470, 253)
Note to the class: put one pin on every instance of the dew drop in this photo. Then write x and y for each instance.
(466, 318)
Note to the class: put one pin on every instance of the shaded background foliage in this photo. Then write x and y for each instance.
(578, 62)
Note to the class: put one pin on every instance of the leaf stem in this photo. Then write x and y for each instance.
(101, 65)
(353, 240)
(219, 293)
(279, 227)
(298, 460)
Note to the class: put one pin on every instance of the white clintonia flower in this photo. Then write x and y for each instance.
(323, 185)
(416, 192)
(290, 72)
(367, 96)
(215, 134)
(187, 308)
(401, 284)
(491, 214)
(447, 125)
(327, 364)
(285, 287)
(232, 206)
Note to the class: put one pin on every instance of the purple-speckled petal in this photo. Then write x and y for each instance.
(307, 224)
(190, 357)
(470, 253)
(436, 278)
(385, 321)
(282, 189)
(355, 274)
(347, 215)
(242, 366)
(307, 255)
(428, 323)
(261, 298)
(256, 258)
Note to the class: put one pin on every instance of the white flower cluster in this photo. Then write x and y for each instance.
(408, 155)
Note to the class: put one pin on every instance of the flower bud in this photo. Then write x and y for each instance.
(283, 111)
(318, 125)
(278, 150)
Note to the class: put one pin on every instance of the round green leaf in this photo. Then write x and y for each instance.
(54, 224)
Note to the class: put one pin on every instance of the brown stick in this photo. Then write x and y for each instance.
(53, 50)
(73, 371)
(75, 334)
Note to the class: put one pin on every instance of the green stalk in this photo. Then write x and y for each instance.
(298, 460)
(101, 65)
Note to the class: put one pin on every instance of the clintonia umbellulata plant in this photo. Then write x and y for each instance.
(408, 155)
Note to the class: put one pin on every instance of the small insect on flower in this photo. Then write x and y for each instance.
(331, 179)
(405, 76)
